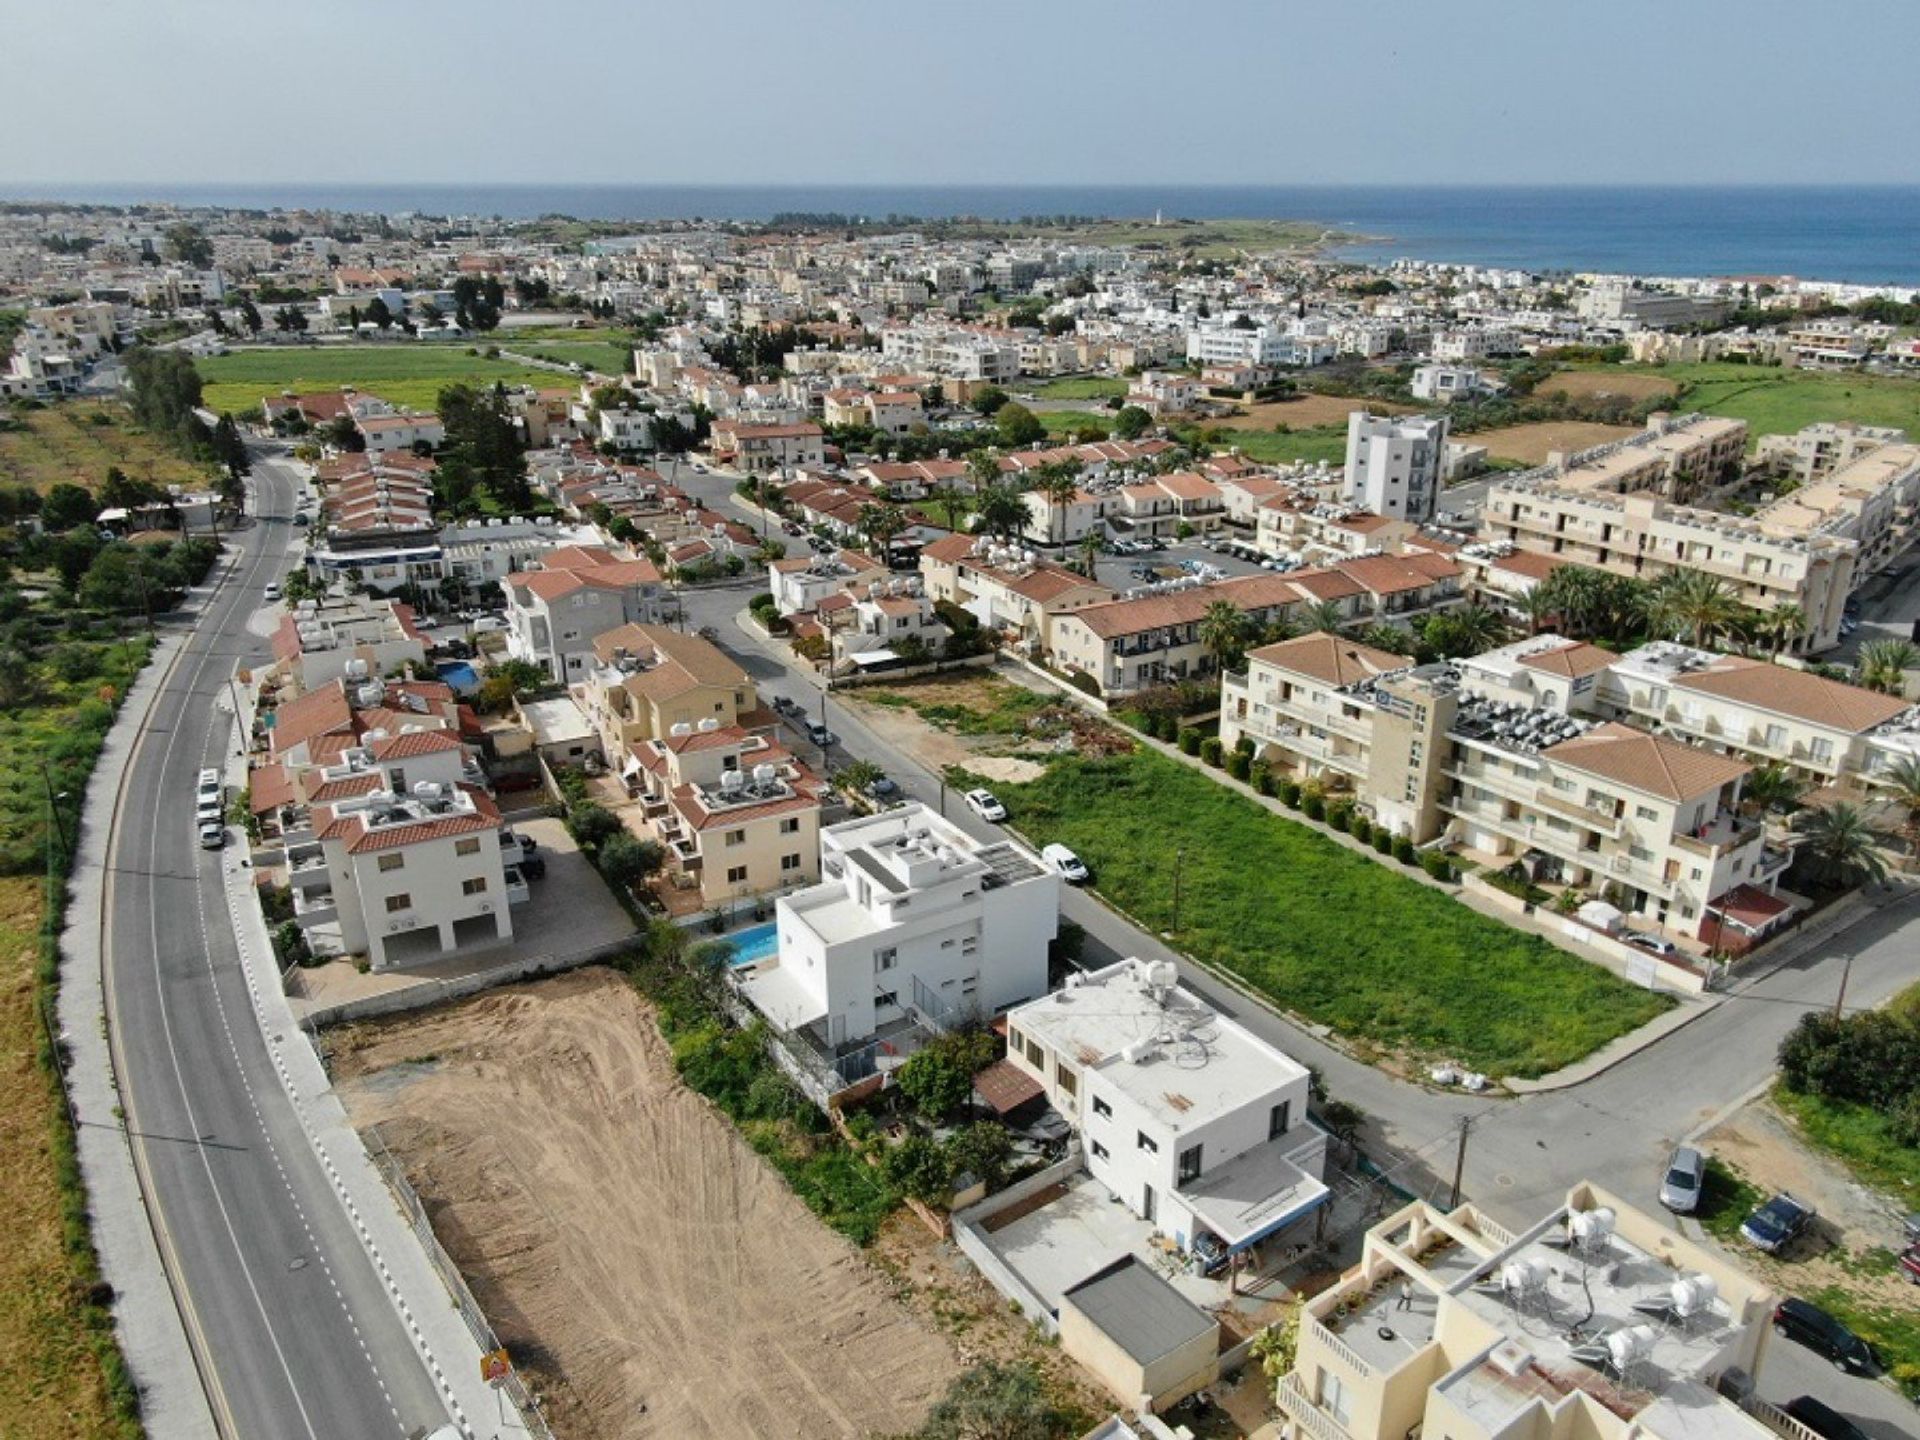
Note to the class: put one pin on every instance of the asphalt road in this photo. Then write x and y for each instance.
(288, 1320)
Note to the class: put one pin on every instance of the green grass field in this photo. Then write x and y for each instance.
(1338, 938)
(606, 356)
(1081, 387)
(1778, 401)
(405, 374)
(1065, 423)
(1275, 447)
(77, 441)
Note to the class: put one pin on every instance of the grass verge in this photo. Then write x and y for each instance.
(409, 374)
(1858, 1136)
(1337, 938)
(1725, 1200)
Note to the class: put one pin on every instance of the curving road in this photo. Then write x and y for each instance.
(290, 1327)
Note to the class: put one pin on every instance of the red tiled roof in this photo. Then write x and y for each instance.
(409, 744)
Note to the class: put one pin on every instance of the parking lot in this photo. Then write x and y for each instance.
(1121, 571)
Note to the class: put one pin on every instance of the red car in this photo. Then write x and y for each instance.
(1910, 1263)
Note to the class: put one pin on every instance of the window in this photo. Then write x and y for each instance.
(1334, 1398)
(1776, 737)
(476, 886)
(790, 825)
(1102, 1108)
(1189, 1165)
(392, 862)
(1069, 1081)
(1645, 812)
(1279, 1118)
(1146, 1143)
(1099, 1150)
(737, 875)
(790, 862)
(886, 959)
(468, 846)
(397, 903)
(886, 997)
(736, 837)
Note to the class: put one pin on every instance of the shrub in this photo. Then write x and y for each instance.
(1189, 740)
(1361, 829)
(1264, 781)
(1239, 764)
(1403, 849)
(1084, 683)
(1244, 745)
(1314, 806)
(1438, 865)
(1290, 794)
(1340, 816)
(939, 1077)
(1166, 727)
(626, 861)
(920, 1167)
(1210, 750)
(1383, 840)
(982, 1150)
(591, 825)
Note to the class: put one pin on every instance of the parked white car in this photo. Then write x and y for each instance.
(489, 622)
(1066, 864)
(986, 805)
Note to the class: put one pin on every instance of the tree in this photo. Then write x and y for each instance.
(1839, 847)
(996, 1401)
(982, 1150)
(1537, 605)
(1018, 425)
(379, 314)
(1090, 554)
(1001, 511)
(1884, 665)
(983, 468)
(188, 244)
(230, 449)
(250, 317)
(593, 825)
(1131, 423)
(626, 861)
(1469, 630)
(1692, 605)
(938, 1077)
(1223, 631)
(1902, 779)
(1322, 615)
(67, 505)
(1781, 626)
(290, 319)
(482, 454)
(920, 1167)
(1059, 481)
(881, 524)
(1769, 788)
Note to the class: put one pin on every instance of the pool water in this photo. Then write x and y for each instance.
(754, 944)
(459, 675)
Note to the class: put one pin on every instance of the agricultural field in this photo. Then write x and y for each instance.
(1308, 411)
(77, 441)
(607, 357)
(405, 374)
(1778, 401)
(1609, 383)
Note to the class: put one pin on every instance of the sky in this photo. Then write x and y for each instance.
(758, 92)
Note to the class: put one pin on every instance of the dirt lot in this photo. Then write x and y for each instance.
(652, 1275)
(990, 740)
(1595, 384)
(1529, 444)
(1305, 412)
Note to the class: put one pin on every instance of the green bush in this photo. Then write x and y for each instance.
(1189, 740)
(1084, 683)
(1290, 794)
(1340, 816)
(1314, 807)
(1239, 764)
(1361, 829)
(939, 1076)
(1263, 780)
(1438, 865)
(1210, 750)
(1166, 727)
(1403, 849)
(1383, 840)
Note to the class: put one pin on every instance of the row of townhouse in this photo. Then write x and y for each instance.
(1007, 588)
(1508, 755)
(1152, 508)
(1130, 644)
(760, 449)
(555, 613)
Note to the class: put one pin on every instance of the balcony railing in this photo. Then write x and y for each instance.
(1293, 1398)
(1310, 1324)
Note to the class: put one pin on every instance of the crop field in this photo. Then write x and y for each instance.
(77, 441)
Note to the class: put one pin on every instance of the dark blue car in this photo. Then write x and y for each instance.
(1777, 1224)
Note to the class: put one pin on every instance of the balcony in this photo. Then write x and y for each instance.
(1299, 1407)
(1726, 831)
(1593, 817)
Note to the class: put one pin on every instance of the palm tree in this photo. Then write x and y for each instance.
(1322, 615)
(1278, 628)
(1391, 638)
(1692, 605)
(1770, 788)
(1001, 511)
(1781, 626)
(983, 467)
(1469, 630)
(1536, 604)
(1090, 553)
(1223, 630)
(1884, 665)
(880, 524)
(1059, 481)
(1902, 778)
(1839, 846)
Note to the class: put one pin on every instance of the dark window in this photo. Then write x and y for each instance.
(1278, 1119)
(1146, 1143)
(1102, 1108)
(1190, 1165)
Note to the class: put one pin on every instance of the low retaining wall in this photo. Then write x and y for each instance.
(974, 1245)
(433, 991)
(1639, 966)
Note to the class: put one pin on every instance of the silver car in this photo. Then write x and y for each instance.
(1686, 1175)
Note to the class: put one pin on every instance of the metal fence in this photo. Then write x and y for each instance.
(513, 1388)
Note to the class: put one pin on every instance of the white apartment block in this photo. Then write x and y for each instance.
(1598, 1321)
(1394, 464)
(353, 637)
(555, 613)
(952, 352)
(1192, 1122)
(914, 920)
(1495, 755)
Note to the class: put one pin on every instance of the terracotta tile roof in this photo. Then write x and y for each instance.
(1575, 659)
(577, 557)
(1530, 565)
(1326, 584)
(1331, 659)
(1750, 906)
(1794, 693)
(1650, 764)
(318, 712)
(948, 549)
(1394, 574)
(484, 816)
(1185, 607)
(411, 743)
(268, 788)
(326, 792)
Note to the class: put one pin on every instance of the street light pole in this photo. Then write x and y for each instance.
(53, 811)
(1179, 861)
(1846, 970)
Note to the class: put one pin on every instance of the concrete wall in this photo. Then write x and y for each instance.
(1160, 1383)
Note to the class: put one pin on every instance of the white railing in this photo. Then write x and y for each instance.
(1293, 1398)
(1334, 1343)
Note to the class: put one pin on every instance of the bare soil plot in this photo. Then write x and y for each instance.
(1599, 384)
(1530, 444)
(652, 1275)
(1307, 412)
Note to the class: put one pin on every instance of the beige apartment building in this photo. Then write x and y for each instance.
(1819, 449)
(1599, 1322)
(646, 679)
(738, 815)
(1435, 752)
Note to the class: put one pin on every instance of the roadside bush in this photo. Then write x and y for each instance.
(1314, 807)
(1166, 728)
(1263, 781)
(1290, 794)
(1239, 764)
(1084, 683)
(1403, 850)
(1189, 740)
(1210, 750)
(1383, 841)
(1340, 816)
(1438, 865)
(1361, 829)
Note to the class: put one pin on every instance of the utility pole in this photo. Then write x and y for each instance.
(1846, 970)
(1179, 861)
(53, 812)
(1460, 1160)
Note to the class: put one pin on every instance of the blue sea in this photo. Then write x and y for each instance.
(1869, 234)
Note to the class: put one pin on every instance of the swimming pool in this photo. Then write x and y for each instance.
(459, 675)
(754, 944)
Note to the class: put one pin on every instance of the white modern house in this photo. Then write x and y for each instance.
(914, 923)
(1394, 462)
(1195, 1124)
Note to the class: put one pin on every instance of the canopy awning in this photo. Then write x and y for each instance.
(1253, 1195)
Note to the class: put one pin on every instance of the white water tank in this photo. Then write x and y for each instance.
(680, 727)
(1632, 1345)
(763, 774)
